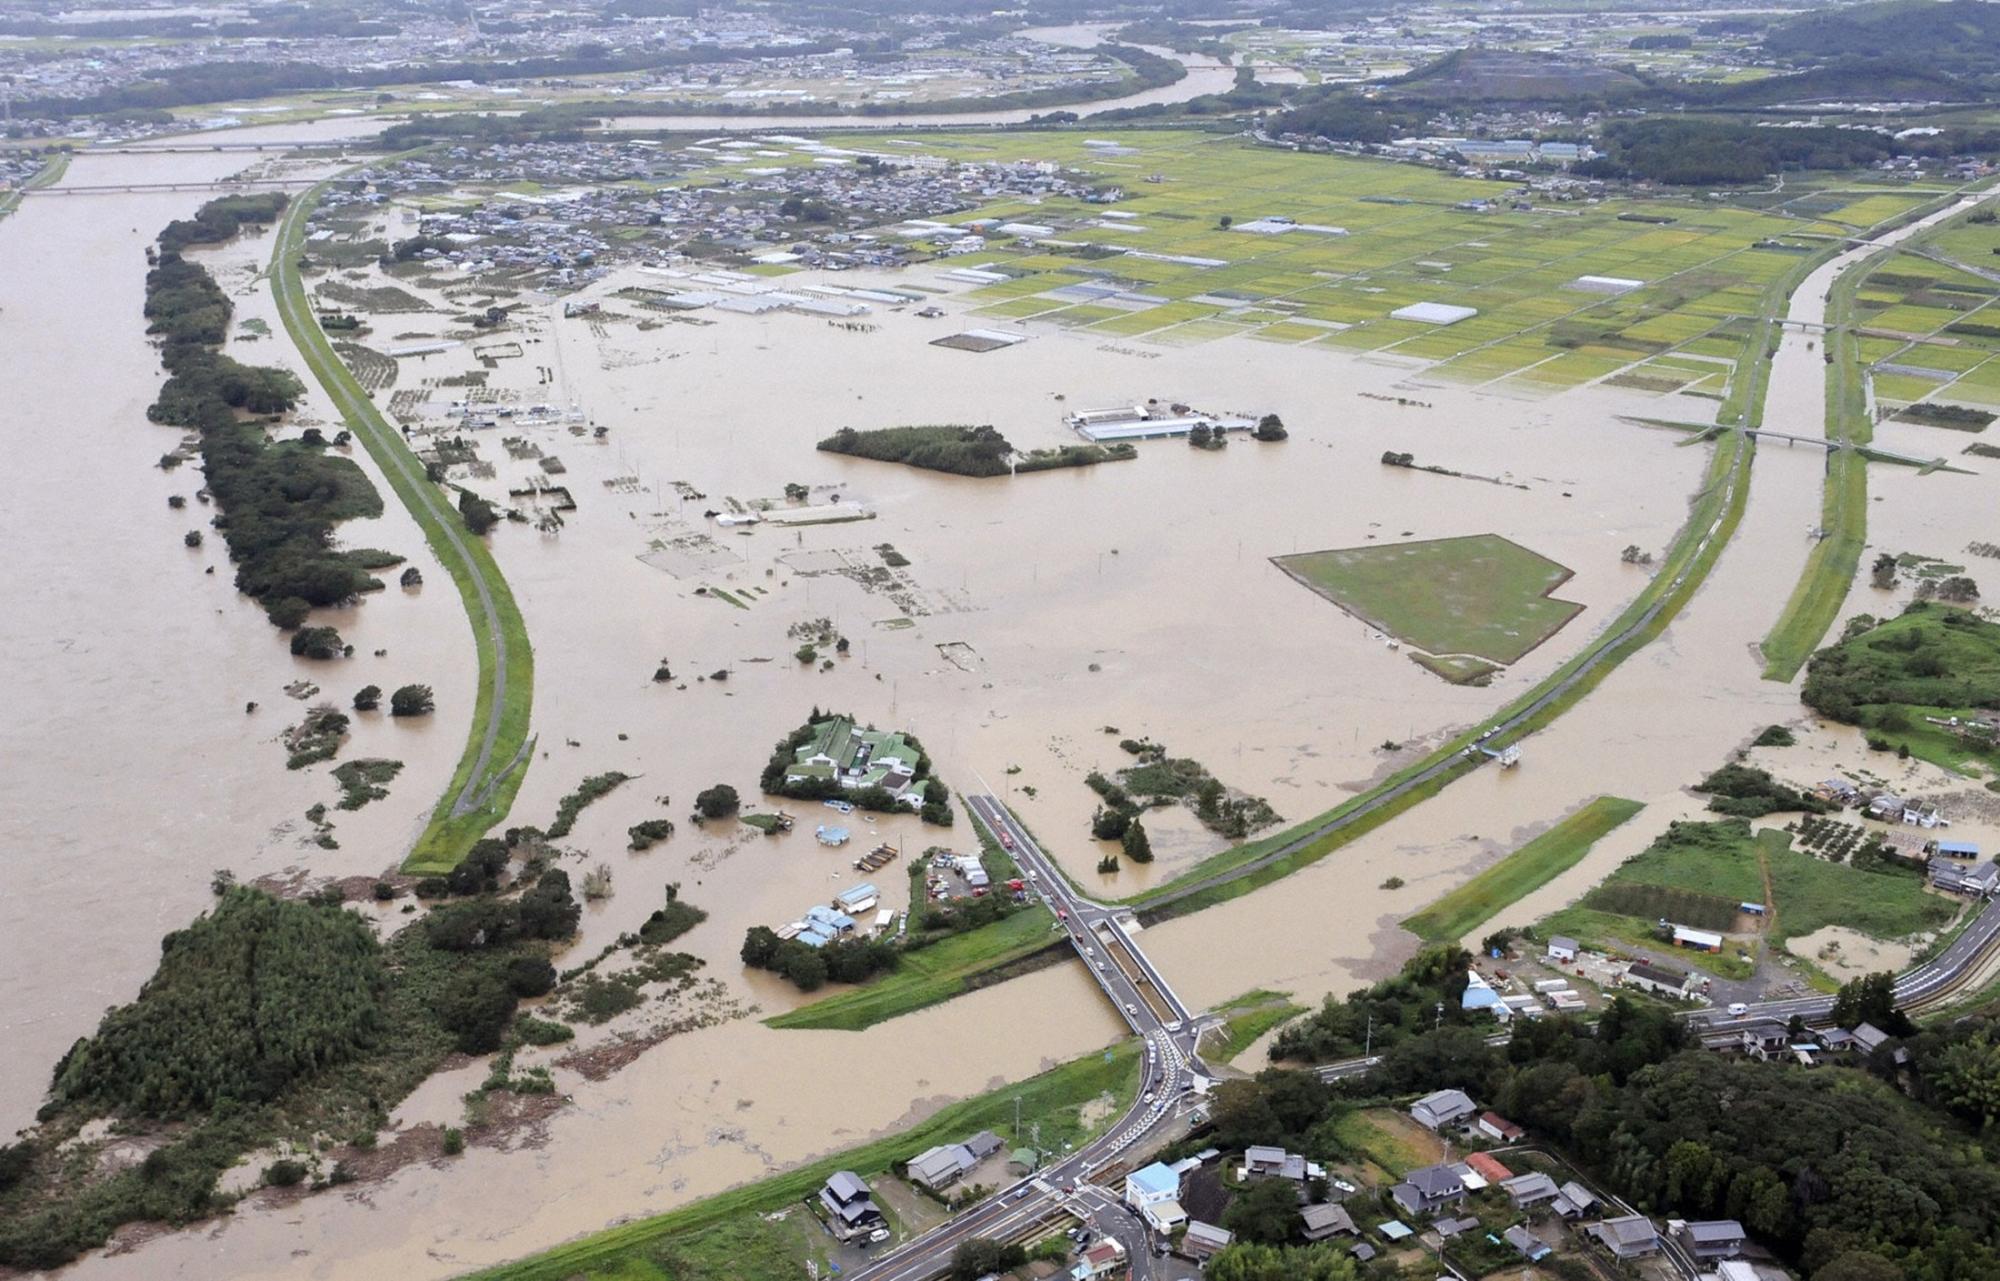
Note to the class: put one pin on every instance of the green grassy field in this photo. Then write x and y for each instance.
(1527, 869)
(466, 558)
(928, 975)
(1245, 1018)
(644, 1250)
(1697, 872)
(1482, 595)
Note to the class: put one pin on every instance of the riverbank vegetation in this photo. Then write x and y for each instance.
(1374, 1018)
(592, 788)
(1927, 681)
(269, 1023)
(1526, 870)
(1157, 779)
(279, 500)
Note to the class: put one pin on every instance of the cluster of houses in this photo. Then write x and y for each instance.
(1772, 1040)
(1439, 1193)
(822, 923)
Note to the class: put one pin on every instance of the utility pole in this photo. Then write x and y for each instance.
(1368, 1046)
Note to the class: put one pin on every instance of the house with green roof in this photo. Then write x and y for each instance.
(856, 758)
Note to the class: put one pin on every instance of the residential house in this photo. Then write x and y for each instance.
(1563, 948)
(1204, 1239)
(1447, 1228)
(1488, 1168)
(1101, 1260)
(1525, 1243)
(1443, 1108)
(1868, 1038)
(1974, 879)
(1659, 979)
(1629, 1237)
(1154, 1191)
(1262, 1161)
(939, 1167)
(1323, 1221)
(1759, 1039)
(849, 1205)
(1428, 1190)
(1531, 1189)
(1575, 1202)
(1708, 1239)
(1499, 1129)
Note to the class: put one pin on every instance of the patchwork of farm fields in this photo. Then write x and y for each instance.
(1215, 237)
(1930, 328)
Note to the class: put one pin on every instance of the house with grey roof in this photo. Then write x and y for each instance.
(1526, 1190)
(1428, 1190)
(1322, 1221)
(1629, 1237)
(1709, 1239)
(1442, 1108)
(1525, 1243)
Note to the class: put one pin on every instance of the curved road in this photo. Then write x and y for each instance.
(407, 478)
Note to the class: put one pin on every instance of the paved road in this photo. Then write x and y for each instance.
(392, 454)
(1060, 1191)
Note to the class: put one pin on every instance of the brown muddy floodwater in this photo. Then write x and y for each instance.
(1036, 611)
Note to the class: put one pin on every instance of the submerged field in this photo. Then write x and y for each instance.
(1481, 595)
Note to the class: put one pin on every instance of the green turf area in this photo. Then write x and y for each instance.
(1527, 869)
(929, 975)
(1244, 1019)
(1481, 595)
(1697, 873)
(646, 1250)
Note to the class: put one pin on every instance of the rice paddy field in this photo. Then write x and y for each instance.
(1320, 252)
(1929, 328)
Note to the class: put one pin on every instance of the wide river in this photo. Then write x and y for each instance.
(134, 771)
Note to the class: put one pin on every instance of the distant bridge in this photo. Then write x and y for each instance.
(124, 188)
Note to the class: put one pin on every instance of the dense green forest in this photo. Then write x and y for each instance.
(1826, 1166)
(961, 450)
(1933, 656)
(279, 501)
(1382, 1015)
(247, 1000)
(273, 1021)
(1960, 36)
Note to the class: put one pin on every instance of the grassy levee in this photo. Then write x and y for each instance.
(1527, 869)
(495, 758)
(1244, 1019)
(930, 975)
(50, 173)
(1830, 567)
(1052, 1098)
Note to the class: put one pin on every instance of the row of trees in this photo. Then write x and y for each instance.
(278, 502)
(843, 960)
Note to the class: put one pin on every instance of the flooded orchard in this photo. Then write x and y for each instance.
(1038, 620)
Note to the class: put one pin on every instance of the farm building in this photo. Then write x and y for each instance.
(1699, 940)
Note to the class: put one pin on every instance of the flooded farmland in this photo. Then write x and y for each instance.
(1039, 619)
